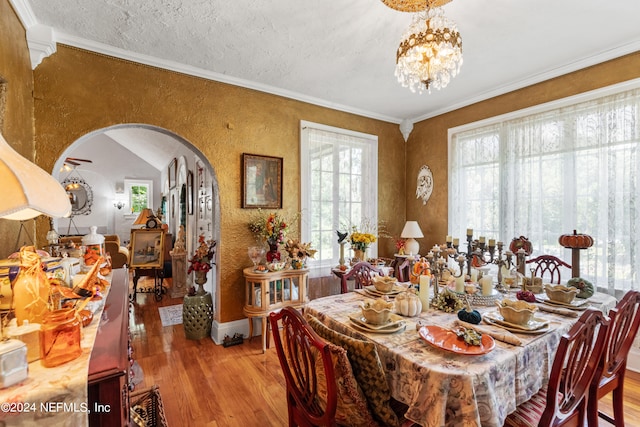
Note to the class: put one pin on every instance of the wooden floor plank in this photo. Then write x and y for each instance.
(204, 384)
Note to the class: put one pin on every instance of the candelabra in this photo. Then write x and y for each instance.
(438, 266)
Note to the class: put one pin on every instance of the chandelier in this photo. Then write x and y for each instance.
(430, 52)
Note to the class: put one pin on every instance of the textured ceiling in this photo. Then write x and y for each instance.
(341, 53)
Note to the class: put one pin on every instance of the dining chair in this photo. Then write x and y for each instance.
(362, 273)
(625, 319)
(563, 401)
(298, 351)
(404, 271)
(548, 266)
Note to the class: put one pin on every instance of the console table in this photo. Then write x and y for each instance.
(270, 291)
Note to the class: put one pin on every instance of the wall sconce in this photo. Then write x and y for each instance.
(119, 204)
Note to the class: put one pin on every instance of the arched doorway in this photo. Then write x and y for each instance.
(139, 152)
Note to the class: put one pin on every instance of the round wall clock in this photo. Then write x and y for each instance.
(425, 184)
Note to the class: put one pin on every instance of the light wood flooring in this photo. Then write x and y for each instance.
(204, 384)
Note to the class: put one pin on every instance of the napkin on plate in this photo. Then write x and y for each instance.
(493, 331)
(558, 310)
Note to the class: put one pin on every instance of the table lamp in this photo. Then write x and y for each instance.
(147, 219)
(411, 231)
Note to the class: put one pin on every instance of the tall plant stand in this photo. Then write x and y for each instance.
(197, 315)
(197, 311)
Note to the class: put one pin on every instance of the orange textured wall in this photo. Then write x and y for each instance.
(428, 141)
(16, 105)
(77, 92)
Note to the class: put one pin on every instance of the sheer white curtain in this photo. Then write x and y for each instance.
(545, 174)
(339, 188)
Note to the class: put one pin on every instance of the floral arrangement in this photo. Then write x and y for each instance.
(400, 245)
(361, 241)
(297, 250)
(203, 258)
(272, 228)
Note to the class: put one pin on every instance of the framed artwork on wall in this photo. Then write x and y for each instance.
(147, 248)
(190, 193)
(173, 173)
(261, 181)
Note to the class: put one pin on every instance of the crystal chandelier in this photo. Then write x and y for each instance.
(430, 52)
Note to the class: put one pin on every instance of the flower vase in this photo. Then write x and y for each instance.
(201, 279)
(359, 255)
(273, 254)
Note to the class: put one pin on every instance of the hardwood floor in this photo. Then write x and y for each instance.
(204, 384)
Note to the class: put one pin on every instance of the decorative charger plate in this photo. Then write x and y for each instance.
(478, 299)
(576, 304)
(395, 324)
(446, 339)
(535, 326)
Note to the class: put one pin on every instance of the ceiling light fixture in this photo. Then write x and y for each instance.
(430, 52)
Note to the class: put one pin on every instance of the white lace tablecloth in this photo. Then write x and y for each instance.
(448, 389)
(55, 396)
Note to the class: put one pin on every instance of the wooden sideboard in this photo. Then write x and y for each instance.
(270, 291)
(109, 364)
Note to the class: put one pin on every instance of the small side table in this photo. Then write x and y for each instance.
(158, 278)
(197, 315)
(270, 291)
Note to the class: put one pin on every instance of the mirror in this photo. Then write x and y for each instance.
(80, 195)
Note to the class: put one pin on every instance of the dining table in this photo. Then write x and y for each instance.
(445, 386)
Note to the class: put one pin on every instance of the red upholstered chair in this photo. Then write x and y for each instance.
(625, 319)
(563, 401)
(298, 350)
(362, 273)
(548, 266)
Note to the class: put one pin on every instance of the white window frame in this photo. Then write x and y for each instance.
(128, 183)
(317, 267)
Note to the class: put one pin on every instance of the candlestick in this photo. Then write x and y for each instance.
(424, 291)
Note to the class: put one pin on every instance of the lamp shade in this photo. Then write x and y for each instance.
(411, 230)
(27, 190)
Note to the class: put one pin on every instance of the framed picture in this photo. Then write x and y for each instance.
(147, 248)
(190, 193)
(173, 173)
(261, 181)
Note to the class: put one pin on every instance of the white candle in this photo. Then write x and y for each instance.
(487, 285)
(474, 275)
(492, 242)
(449, 239)
(482, 239)
(456, 241)
(469, 231)
(424, 291)
(460, 284)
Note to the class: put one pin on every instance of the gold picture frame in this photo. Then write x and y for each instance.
(261, 182)
(147, 248)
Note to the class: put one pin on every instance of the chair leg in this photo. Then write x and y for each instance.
(618, 404)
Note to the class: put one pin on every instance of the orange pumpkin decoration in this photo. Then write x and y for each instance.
(576, 241)
(521, 243)
(419, 268)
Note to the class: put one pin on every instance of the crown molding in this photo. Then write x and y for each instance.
(589, 61)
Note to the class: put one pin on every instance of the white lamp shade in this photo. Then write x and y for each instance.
(27, 190)
(411, 230)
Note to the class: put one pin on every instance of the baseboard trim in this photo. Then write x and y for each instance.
(219, 330)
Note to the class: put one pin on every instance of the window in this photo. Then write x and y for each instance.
(339, 187)
(140, 194)
(546, 172)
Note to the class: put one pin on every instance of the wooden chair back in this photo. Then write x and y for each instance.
(298, 350)
(548, 266)
(362, 273)
(574, 367)
(625, 319)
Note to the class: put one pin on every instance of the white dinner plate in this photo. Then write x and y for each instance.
(393, 324)
(535, 326)
(576, 304)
